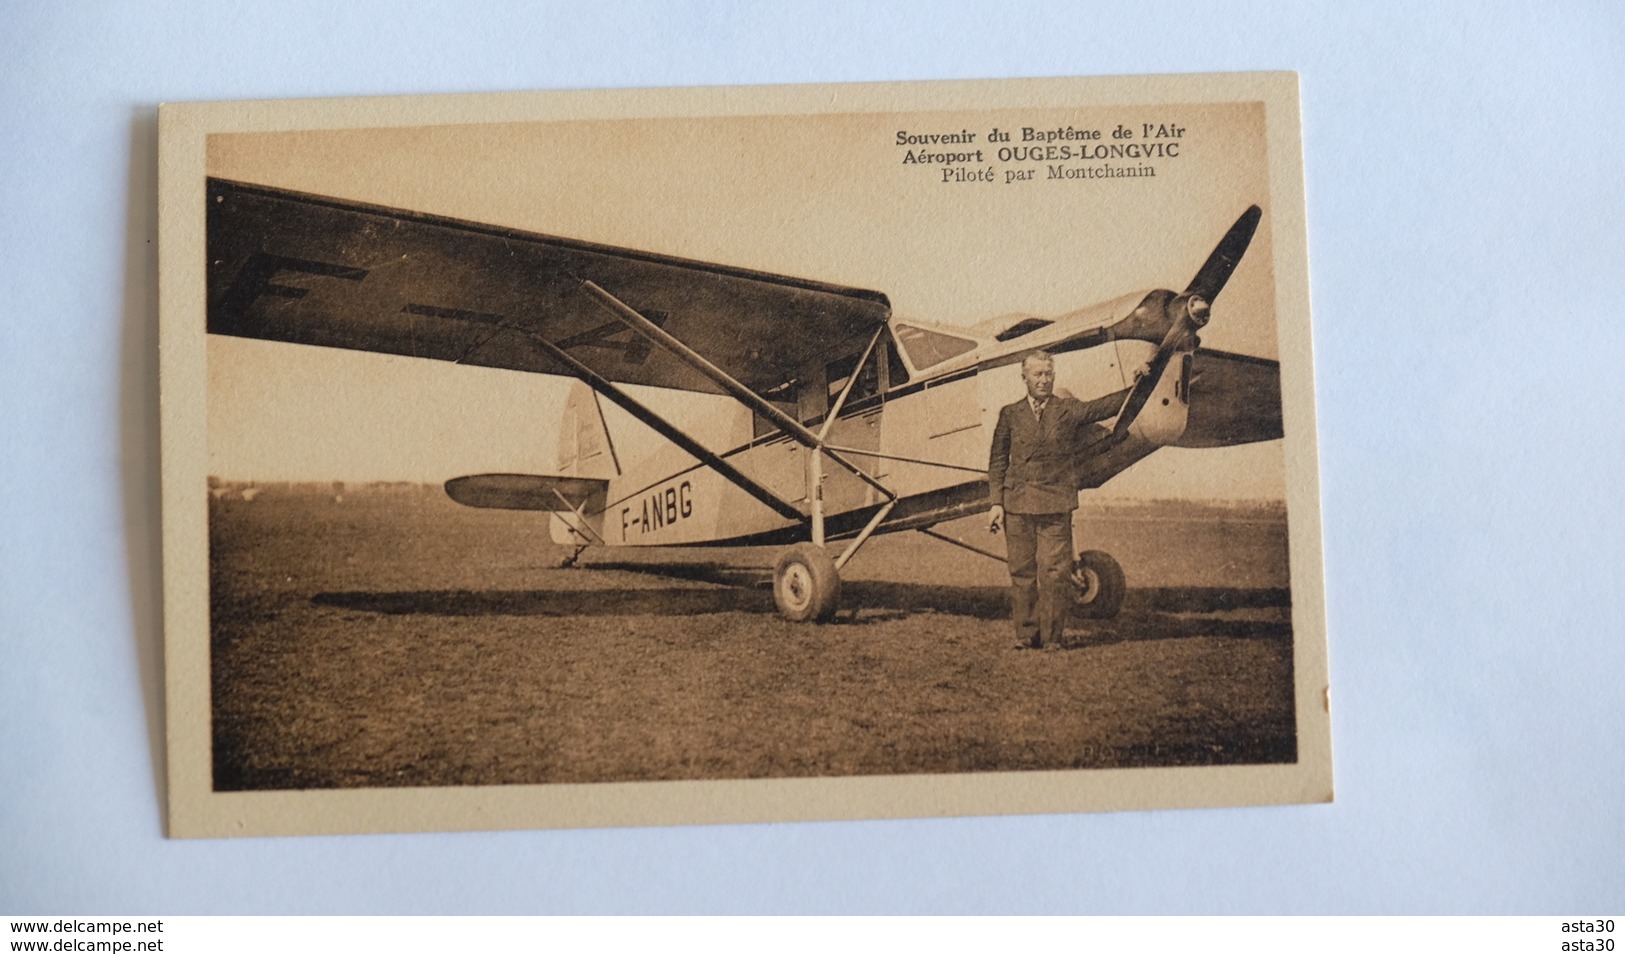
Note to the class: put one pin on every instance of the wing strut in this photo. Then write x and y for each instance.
(630, 317)
(869, 528)
(840, 402)
(960, 543)
(824, 446)
(662, 427)
(860, 452)
(585, 528)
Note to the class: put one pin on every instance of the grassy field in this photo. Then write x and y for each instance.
(394, 638)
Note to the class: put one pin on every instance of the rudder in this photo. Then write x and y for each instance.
(585, 448)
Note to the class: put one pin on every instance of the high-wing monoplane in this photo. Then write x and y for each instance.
(846, 423)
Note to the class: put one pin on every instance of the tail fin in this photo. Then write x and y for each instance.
(585, 449)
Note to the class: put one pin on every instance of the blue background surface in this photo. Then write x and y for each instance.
(1466, 253)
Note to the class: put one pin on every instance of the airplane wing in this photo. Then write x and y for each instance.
(1235, 399)
(288, 266)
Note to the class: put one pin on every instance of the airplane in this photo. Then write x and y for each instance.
(844, 423)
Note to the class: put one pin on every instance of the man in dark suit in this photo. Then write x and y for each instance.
(1033, 482)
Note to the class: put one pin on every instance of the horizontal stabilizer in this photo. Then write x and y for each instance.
(1235, 399)
(529, 492)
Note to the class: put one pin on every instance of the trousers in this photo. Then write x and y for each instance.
(1040, 555)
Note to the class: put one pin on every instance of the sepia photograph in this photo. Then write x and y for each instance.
(949, 449)
(928, 459)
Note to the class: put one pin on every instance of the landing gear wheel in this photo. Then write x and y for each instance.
(1097, 585)
(806, 585)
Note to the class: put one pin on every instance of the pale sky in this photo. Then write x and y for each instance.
(822, 197)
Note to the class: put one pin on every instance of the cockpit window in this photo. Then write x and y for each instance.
(761, 426)
(896, 373)
(1025, 326)
(839, 371)
(926, 348)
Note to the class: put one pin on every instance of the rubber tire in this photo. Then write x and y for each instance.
(1098, 585)
(806, 585)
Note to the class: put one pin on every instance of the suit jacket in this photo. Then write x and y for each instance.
(1032, 466)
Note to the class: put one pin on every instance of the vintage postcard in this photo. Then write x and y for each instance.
(739, 454)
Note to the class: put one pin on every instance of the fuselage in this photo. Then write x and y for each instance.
(918, 419)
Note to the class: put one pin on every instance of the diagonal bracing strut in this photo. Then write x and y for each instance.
(660, 426)
(585, 527)
(960, 543)
(659, 336)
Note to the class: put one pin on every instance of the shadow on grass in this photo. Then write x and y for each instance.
(575, 602)
(1148, 614)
